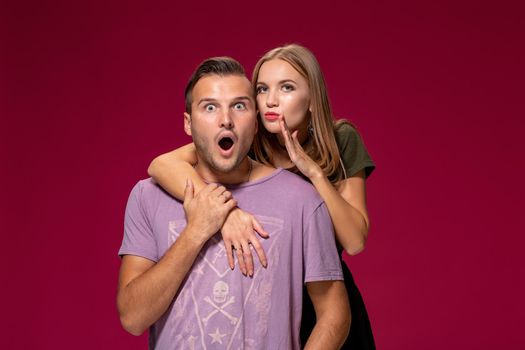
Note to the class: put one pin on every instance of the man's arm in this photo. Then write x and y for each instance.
(146, 288)
(332, 311)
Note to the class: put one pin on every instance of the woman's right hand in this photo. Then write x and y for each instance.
(306, 165)
(238, 232)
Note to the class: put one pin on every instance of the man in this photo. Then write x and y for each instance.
(174, 276)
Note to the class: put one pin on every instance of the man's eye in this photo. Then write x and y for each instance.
(210, 108)
(239, 106)
(288, 87)
(261, 89)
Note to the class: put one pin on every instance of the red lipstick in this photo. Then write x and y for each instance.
(271, 116)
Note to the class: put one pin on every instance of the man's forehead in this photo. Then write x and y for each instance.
(222, 86)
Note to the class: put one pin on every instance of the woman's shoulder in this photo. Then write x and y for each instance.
(352, 149)
(346, 134)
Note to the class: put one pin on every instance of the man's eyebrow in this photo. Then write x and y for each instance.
(238, 98)
(243, 98)
(206, 99)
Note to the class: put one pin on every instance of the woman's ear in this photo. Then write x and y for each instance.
(187, 124)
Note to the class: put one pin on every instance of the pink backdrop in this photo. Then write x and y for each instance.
(91, 91)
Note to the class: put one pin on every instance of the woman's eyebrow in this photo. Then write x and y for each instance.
(279, 82)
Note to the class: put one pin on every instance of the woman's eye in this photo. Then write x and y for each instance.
(288, 87)
(209, 108)
(239, 106)
(261, 89)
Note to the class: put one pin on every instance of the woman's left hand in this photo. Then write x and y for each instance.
(298, 156)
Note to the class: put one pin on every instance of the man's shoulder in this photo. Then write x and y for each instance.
(295, 186)
(146, 185)
(148, 189)
(293, 178)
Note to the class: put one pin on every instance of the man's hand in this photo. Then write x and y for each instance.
(206, 211)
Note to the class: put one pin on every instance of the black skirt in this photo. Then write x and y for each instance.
(360, 336)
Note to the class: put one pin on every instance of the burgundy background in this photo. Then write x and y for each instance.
(92, 91)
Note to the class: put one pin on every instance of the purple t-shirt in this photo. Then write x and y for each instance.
(217, 308)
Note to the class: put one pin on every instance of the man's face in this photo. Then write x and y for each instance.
(223, 121)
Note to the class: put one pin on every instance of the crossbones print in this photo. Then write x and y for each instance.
(220, 309)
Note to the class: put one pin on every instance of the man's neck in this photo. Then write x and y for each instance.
(236, 176)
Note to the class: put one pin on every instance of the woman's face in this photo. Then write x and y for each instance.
(281, 90)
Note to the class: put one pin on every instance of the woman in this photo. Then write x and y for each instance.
(298, 134)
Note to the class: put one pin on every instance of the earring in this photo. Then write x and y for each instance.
(310, 129)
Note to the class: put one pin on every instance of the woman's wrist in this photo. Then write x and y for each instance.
(316, 175)
(235, 212)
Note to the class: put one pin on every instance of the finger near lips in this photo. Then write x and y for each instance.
(285, 125)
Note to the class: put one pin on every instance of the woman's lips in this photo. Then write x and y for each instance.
(271, 116)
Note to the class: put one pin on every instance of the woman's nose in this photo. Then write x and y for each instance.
(271, 99)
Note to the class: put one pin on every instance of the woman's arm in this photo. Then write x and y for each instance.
(170, 171)
(347, 208)
(346, 204)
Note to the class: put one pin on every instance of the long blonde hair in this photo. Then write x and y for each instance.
(320, 144)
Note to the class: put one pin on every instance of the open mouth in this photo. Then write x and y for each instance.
(225, 143)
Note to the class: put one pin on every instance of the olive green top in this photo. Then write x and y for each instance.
(352, 150)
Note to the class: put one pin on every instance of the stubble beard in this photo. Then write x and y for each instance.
(206, 158)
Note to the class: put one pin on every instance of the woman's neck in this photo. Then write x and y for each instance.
(280, 158)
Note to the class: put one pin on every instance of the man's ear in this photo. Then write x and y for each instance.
(187, 124)
(256, 123)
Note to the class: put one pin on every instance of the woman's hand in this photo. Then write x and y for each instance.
(238, 232)
(297, 155)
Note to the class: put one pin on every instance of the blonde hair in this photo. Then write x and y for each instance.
(320, 144)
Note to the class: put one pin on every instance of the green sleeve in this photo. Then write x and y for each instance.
(353, 152)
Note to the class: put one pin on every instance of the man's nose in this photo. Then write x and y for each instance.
(226, 120)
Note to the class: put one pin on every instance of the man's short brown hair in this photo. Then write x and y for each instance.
(221, 66)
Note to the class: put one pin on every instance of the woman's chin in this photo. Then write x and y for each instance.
(272, 128)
